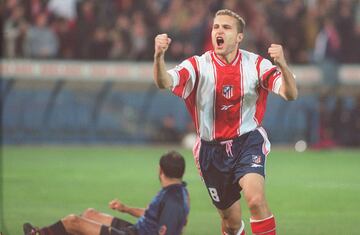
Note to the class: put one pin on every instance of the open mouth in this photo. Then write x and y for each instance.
(219, 41)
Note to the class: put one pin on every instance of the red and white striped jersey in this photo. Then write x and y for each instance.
(225, 100)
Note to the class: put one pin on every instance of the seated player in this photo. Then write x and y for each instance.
(165, 215)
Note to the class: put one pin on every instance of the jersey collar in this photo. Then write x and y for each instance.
(221, 63)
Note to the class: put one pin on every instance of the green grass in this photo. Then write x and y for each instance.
(314, 193)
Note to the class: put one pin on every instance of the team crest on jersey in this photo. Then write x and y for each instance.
(256, 159)
(227, 91)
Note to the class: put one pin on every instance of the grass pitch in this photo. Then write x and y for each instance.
(312, 193)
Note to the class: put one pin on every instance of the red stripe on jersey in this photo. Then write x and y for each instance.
(194, 63)
(269, 77)
(227, 104)
(190, 101)
(272, 83)
(274, 77)
(260, 104)
(184, 76)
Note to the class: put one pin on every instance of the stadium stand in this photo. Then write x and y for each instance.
(97, 87)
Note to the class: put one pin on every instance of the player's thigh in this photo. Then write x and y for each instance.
(97, 216)
(78, 225)
(232, 214)
(253, 187)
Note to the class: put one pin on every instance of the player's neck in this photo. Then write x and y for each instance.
(170, 181)
(228, 58)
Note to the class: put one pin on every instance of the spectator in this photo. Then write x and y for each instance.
(99, 45)
(84, 29)
(65, 33)
(33, 8)
(120, 37)
(14, 29)
(294, 23)
(292, 31)
(106, 12)
(311, 29)
(40, 40)
(119, 50)
(345, 24)
(326, 53)
(138, 34)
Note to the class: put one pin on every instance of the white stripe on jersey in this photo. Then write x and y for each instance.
(212, 134)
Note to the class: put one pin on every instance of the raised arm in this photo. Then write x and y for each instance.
(161, 77)
(121, 207)
(288, 89)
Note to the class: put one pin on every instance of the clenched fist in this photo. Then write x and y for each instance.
(277, 54)
(162, 42)
(117, 205)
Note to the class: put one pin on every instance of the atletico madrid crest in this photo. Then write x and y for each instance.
(227, 91)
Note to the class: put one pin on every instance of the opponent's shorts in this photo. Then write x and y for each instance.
(223, 163)
(118, 227)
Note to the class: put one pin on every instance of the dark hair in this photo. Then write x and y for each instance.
(172, 164)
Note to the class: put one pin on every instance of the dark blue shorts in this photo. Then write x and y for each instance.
(222, 164)
(118, 227)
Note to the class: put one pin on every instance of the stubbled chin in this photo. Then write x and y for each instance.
(219, 50)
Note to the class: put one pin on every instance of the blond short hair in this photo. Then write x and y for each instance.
(239, 19)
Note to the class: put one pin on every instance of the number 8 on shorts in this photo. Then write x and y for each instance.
(214, 195)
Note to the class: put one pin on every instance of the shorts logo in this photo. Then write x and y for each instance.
(256, 159)
(227, 91)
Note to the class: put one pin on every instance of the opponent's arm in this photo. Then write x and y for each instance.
(288, 89)
(121, 207)
(161, 77)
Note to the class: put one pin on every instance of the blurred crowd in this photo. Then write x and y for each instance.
(339, 123)
(125, 29)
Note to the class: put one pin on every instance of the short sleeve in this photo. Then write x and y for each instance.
(270, 77)
(184, 77)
